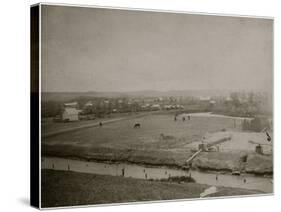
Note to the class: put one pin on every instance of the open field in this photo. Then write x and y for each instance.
(49, 127)
(119, 141)
(122, 134)
(161, 141)
(61, 188)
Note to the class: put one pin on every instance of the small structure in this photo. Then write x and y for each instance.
(88, 104)
(238, 173)
(167, 107)
(259, 149)
(203, 147)
(70, 114)
(155, 107)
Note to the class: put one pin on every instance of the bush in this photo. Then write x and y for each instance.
(181, 179)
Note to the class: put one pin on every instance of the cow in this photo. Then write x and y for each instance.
(137, 125)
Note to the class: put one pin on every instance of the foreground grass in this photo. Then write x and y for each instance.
(61, 188)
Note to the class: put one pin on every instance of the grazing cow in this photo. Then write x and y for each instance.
(137, 125)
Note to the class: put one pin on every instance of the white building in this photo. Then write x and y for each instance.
(71, 105)
(89, 104)
(155, 107)
(70, 114)
(205, 98)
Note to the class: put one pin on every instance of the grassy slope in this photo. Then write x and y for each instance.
(60, 188)
(119, 141)
(234, 161)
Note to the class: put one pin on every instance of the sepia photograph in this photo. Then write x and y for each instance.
(148, 105)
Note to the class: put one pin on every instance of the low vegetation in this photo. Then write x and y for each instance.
(256, 125)
(61, 188)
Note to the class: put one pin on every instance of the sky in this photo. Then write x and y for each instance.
(94, 49)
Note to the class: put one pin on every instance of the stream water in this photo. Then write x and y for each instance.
(244, 181)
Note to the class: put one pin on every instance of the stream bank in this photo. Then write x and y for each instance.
(244, 181)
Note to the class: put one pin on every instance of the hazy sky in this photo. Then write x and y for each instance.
(87, 49)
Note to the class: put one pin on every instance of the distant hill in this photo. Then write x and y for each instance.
(66, 96)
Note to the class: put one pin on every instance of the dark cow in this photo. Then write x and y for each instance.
(137, 125)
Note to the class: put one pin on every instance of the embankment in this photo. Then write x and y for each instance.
(235, 161)
(170, 158)
(215, 161)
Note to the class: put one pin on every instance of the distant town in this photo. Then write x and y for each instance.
(86, 107)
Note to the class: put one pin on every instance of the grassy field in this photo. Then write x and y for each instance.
(60, 188)
(122, 135)
(49, 126)
(159, 141)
